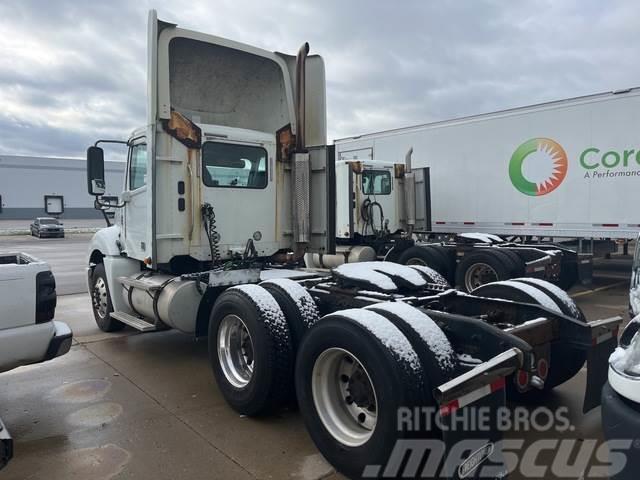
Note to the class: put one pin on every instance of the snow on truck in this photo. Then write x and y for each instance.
(568, 168)
(228, 186)
(384, 212)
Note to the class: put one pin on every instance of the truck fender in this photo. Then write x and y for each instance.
(104, 242)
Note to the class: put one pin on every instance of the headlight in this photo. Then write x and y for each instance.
(626, 359)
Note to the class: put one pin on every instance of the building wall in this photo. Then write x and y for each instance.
(24, 182)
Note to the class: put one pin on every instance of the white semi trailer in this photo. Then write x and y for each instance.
(230, 182)
(569, 168)
(383, 211)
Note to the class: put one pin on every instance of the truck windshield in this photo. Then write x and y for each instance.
(376, 182)
(237, 166)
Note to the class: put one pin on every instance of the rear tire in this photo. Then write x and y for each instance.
(350, 385)
(101, 301)
(250, 350)
(426, 256)
(482, 267)
(298, 306)
(565, 362)
(518, 264)
(570, 360)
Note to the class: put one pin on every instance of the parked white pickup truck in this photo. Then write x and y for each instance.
(28, 333)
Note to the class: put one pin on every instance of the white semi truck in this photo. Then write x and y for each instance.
(230, 183)
(568, 168)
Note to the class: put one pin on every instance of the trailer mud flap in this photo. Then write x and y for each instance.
(469, 408)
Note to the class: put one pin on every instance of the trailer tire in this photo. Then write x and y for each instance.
(486, 264)
(426, 256)
(346, 372)
(296, 303)
(101, 301)
(250, 350)
(430, 275)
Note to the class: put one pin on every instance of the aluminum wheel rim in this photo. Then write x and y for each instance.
(349, 422)
(235, 351)
(479, 274)
(100, 301)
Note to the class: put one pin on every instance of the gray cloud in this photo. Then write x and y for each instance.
(73, 71)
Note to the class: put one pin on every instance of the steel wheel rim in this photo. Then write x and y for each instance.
(100, 301)
(235, 351)
(350, 422)
(479, 274)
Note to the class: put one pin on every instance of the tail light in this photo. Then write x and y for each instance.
(45, 297)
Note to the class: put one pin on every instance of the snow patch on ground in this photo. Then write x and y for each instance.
(386, 332)
(426, 328)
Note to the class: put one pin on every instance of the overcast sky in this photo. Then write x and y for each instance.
(72, 71)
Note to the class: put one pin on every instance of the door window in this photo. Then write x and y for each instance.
(137, 166)
(236, 166)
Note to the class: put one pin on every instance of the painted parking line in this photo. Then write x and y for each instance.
(599, 289)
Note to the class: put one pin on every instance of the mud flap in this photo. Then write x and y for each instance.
(585, 268)
(597, 371)
(469, 417)
(473, 453)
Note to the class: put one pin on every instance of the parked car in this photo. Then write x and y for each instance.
(47, 227)
(621, 397)
(28, 332)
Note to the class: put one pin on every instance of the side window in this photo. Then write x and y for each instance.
(376, 182)
(137, 166)
(231, 165)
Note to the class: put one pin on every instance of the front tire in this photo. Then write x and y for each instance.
(101, 301)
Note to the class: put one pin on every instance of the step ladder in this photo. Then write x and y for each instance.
(135, 322)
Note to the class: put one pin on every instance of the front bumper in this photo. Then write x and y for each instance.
(6, 446)
(621, 421)
(52, 233)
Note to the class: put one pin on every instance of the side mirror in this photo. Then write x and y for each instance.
(95, 171)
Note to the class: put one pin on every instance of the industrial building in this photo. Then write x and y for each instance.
(41, 186)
